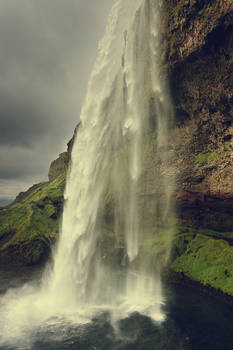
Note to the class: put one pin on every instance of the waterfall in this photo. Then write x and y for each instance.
(114, 119)
(124, 90)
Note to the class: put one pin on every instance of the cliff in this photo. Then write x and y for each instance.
(198, 37)
(197, 42)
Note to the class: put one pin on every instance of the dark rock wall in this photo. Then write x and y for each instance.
(198, 42)
(198, 54)
(57, 166)
(187, 23)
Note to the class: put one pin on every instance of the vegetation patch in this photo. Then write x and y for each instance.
(28, 229)
(194, 231)
(204, 158)
(208, 261)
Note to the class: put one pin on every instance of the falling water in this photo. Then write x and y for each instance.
(108, 157)
(115, 119)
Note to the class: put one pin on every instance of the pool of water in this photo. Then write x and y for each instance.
(193, 321)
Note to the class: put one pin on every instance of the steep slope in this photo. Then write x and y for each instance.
(28, 228)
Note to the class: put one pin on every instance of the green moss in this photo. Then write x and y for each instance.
(50, 211)
(194, 231)
(204, 256)
(12, 218)
(208, 261)
(179, 245)
(27, 229)
(204, 158)
(52, 192)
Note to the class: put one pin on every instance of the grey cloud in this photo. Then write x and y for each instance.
(47, 48)
(21, 123)
(20, 163)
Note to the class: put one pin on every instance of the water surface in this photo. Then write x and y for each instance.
(193, 322)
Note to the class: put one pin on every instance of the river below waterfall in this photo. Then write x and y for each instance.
(193, 322)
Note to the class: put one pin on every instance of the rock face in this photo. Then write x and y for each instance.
(201, 71)
(198, 42)
(60, 164)
(57, 166)
(187, 25)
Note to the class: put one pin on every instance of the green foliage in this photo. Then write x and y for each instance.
(211, 233)
(28, 228)
(12, 219)
(204, 158)
(179, 245)
(50, 193)
(209, 261)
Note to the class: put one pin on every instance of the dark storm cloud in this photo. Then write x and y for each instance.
(22, 122)
(21, 163)
(47, 48)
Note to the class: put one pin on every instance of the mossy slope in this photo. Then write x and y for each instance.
(205, 257)
(28, 229)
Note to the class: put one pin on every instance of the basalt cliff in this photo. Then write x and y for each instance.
(197, 60)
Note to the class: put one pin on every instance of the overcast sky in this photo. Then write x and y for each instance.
(47, 49)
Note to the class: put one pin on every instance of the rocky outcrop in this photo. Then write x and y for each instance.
(71, 142)
(187, 24)
(58, 166)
